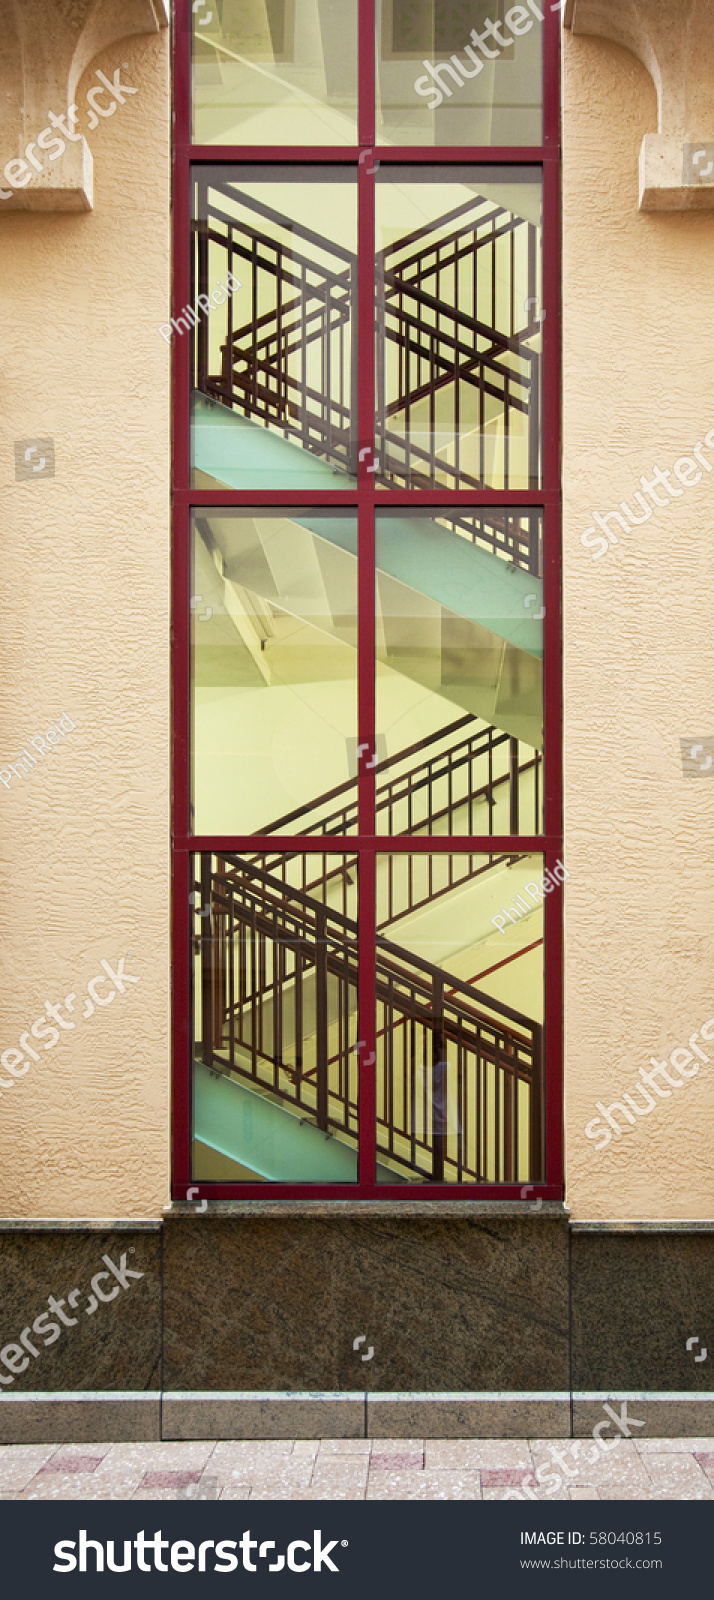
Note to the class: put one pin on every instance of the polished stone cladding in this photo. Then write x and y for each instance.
(277, 1303)
(312, 1319)
(106, 1334)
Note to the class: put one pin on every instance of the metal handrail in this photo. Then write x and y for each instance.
(299, 938)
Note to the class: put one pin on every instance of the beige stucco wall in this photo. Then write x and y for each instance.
(638, 394)
(85, 604)
(85, 632)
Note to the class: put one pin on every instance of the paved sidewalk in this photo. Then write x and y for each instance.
(358, 1469)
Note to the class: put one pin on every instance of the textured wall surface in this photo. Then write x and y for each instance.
(84, 1131)
(638, 395)
(85, 600)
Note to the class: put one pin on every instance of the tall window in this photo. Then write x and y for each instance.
(368, 851)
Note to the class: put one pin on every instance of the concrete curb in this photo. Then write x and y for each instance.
(155, 1415)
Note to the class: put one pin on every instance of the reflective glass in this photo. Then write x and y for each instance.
(459, 72)
(277, 72)
(273, 375)
(275, 1073)
(459, 645)
(459, 327)
(459, 1017)
(273, 671)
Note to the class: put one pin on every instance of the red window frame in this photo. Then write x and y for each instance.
(365, 500)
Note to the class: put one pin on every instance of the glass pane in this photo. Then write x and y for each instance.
(273, 376)
(278, 72)
(459, 72)
(459, 327)
(275, 1019)
(459, 1017)
(459, 672)
(274, 671)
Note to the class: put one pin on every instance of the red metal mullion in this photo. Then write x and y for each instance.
(553, 1034)
(465, 498)
(366, 73)
(552, 680)
(180, 346)
(181, 1021)
(349, 844)
(406, 1192)
(551, 326)
(552, 31)
(449, 155)
(181, 672)
(180, 352)
(367, 918)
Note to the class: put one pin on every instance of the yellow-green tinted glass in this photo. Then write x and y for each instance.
(459, 72)
(273, 671)
(459, 1017)
(273, 374)
(277, 72)
(459, 646)
(459, 327)
(275, 1019)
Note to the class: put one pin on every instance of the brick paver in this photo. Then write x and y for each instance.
(359, 1469)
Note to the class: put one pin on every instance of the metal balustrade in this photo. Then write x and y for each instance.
(459, 1075)
(290, 365)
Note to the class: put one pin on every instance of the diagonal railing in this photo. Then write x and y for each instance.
(451, 342)
(448, 340)
(459, 1075)
(449, 785)
(289, 365)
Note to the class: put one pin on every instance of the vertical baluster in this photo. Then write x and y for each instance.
(259, 985)
(417, 1034)
(536, 1106)
(202, 275)
(321, 1017)
(251, 393)
(514, 786)
(439, 1085)
(506, 430)
(299, 1018)
(207, 974)
(231, 984)
(507, 1082)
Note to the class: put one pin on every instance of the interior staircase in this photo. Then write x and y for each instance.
(458, 1073)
